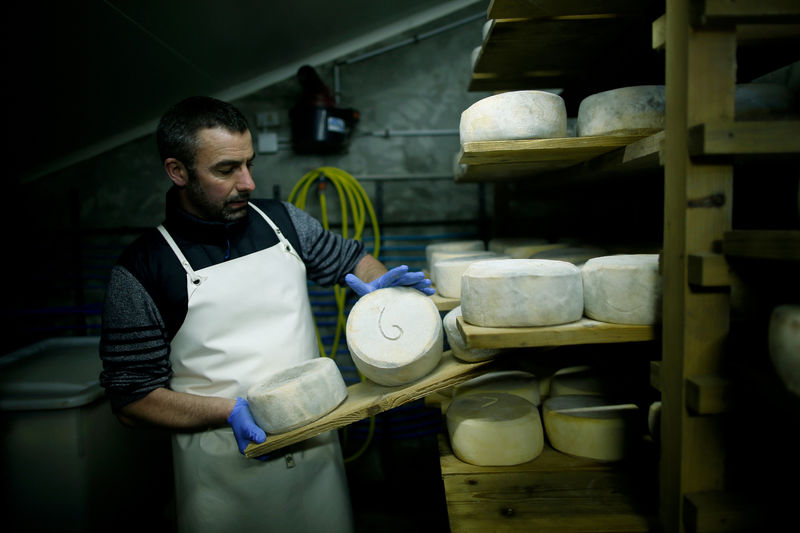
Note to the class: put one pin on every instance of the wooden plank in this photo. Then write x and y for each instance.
(708, 270)
(700, 85)
(762, 244)
(707, 395)
(554, 492)
(727, 138)
(367, 399)
(504, 9)
(727, 12)
(445, 304)
(720, 512)
(584, 331)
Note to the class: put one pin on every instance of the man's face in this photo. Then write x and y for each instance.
(220, 185)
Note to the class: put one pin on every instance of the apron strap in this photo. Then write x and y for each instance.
(184, 262)
(287, 246)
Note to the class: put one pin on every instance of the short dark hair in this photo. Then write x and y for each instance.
(177, 130)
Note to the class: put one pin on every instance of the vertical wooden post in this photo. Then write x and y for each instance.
(700, 84)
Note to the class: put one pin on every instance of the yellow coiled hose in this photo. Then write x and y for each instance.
(351, 194)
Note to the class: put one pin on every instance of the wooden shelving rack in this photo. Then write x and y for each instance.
(704, 44)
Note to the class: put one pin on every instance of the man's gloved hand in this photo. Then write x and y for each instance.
(244, 427)
(396, 277)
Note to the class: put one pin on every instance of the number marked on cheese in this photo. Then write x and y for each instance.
(380, 327)
(492, 401)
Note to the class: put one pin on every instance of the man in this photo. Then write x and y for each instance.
(207, 304)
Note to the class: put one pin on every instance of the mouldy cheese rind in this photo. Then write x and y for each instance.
(437, 256)
(517, 382)
(494, 429)
(456, 341)
(784, 344)
(578, 380)
(521, 293)
(474, 245)
(296, 396)
(602, 435)
(762, 101)
(514, 115)
(622, 289)
(624, 111)
(447, 272)
(395, 335)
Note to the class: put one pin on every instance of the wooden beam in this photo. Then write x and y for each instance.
(727, 12)
(762, 244)
(708, 270)
(707, 395)
(655, 375)
(727, 138)
(721, 512)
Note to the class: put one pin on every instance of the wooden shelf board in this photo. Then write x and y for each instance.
(504, 9)
(584, 331)
(505, 160)
(445, 304)
(726, 12)
(762, 244)
(367, 399)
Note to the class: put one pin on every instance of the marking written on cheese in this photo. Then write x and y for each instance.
(380, 327)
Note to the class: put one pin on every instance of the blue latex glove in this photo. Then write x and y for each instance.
(396, 277)
(244, 427)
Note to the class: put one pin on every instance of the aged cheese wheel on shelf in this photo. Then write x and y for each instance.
(622, 289)
(439, 256)
(457, 344)
(762, 101)
(784, 344)
(486, 27)
(296, 396)
(588, 426)
(514, 115)
(476, 52)
(395, 335)
(578, 380)
(494, 429)
(448, 272)
(577, 255)
(521, 292)
(501, 244)
(525, 251)
(624, 111)
(517, 382)
(473, 245)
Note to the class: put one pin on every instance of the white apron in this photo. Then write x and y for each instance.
(246, 318)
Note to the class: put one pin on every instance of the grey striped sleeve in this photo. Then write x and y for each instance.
(133, 344)
(328, 256)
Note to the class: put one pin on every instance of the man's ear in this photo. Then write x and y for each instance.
(176, 171)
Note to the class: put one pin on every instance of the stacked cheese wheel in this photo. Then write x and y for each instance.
(521, 292)
(456, 341)
(624, 111)
(494, 429)
(582, 379)
(473, 245)
(517, 382)
(514, 115)
(589, 426)
(577, 255)
(296, 396)
(622, 289)
(395, 335)
(762, 101)
(784, 344)
(447, 272)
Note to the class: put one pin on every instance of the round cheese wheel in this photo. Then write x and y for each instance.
(622, 289)
(296, 396)
(577, 255)
(476, 52)
(588, 426)
(784, 344)
(395, 335)
(762, 101)
(525, 251)
(486, 27)
(439, 256)
(578, 380)
(452, 246)
(494, 429)
(514, 115)
(654, 420)
(456, 341)
(521, 292)
(516, 382)
(448, 272)
(501, 244)
(625, 111)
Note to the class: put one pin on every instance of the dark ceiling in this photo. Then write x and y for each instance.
(92, 74)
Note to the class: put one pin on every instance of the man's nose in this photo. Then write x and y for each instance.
(246, 182)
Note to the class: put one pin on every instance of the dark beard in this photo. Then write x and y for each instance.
(208, 210)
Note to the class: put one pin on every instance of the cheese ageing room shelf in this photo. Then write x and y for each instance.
(568, 158)
(584, 331)
(368, 399)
